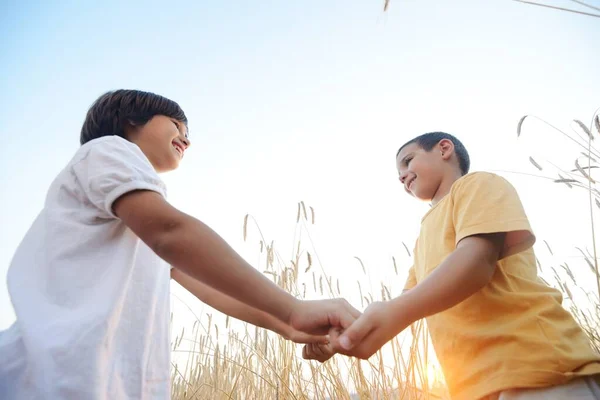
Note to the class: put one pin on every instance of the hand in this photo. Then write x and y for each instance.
(317, 317)
(318, 351)
(377, 325)
(299, 337)
(321, 351)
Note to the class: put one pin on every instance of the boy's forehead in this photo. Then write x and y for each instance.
(406, 150)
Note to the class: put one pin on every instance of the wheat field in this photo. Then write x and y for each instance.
(216, 361)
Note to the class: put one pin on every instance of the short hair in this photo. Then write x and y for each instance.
(428, 140)
(114, 110)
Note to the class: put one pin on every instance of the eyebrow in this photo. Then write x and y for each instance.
(403, 161)
(179, 124)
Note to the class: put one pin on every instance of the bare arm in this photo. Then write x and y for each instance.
(194, 248)
(236, 309)
(468, 269)
(464, 272)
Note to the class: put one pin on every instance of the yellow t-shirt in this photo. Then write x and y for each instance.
(514, 332)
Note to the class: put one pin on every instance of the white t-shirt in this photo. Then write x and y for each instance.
(91, 299)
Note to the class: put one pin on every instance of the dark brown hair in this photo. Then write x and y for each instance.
(114, 110)
(427, 141)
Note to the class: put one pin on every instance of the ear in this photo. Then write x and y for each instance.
(446, 147)
(131, 123)
(130, 127)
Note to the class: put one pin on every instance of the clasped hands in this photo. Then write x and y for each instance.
(349, 332)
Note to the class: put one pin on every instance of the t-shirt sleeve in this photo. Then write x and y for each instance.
(111, 168)
(487, 203)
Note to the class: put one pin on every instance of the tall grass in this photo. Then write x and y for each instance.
(253, 363)
(583, 304)
(223, 361)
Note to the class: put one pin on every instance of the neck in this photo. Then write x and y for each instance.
(445, 187)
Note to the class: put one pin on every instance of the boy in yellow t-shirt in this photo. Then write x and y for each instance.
(498, 330)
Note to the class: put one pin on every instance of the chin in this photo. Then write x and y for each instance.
(172, 168)
(167, 168)
(420, 196)
(173, 164)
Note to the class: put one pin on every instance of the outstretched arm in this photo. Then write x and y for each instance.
(464, 272)
(191, 246)
(236, 309)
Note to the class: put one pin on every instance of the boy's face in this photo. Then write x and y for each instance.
(163, 140)
(421, 172)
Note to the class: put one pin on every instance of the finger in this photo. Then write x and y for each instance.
(327, 351)
(353, 311)
(317, 351)
(354, 334)
(334, 333)
(344, 315)
(318, 330)
(322, 353)
(305, 338)
(312, 352)
(350, 315)
(306, 352)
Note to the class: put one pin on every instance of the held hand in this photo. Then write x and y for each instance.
(299, 337)
(317, 317)
(377, 325)
(321, 351)
(318, 352)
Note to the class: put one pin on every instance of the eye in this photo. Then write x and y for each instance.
(408, 160)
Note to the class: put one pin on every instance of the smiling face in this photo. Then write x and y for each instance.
(418, 171)
(427, 175)
(162, 139)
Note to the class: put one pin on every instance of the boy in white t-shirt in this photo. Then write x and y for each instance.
(90, 280)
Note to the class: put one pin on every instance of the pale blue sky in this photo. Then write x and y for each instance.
(292, 101)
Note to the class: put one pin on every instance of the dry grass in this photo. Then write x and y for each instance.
(251, 363)
(386, 5)
(583, 304)
(565, 9)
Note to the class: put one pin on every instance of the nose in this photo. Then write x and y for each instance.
(186, 141)
(403, 176)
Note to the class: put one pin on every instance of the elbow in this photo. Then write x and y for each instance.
(479, 269)
(485, 269)
(489, 264)
(488, 274)
(481, 254)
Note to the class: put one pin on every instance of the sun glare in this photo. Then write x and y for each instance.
(434, 374)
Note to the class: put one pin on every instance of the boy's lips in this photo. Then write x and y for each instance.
(180, 149)
(409, 183)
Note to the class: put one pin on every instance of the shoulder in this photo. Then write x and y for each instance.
(111, 161)
(481, 180)
(109, 147)
(109, 167)
(113, 155)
